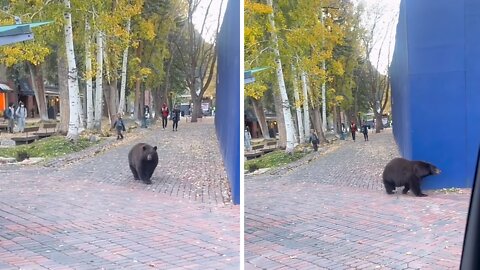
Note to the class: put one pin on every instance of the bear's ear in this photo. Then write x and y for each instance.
(155, 148)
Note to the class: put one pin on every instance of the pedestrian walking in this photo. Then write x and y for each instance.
(120, 126)
(353, 129)
(365, 131)
(175, 117)
(247, 142)
(165, 113)
(9, 115)
(21, 115)
(314, 139)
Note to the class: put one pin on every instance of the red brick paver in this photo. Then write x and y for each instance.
(93, 215)
(332, 213)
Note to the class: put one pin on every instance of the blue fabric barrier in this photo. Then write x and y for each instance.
(227, 114)
(436, 87)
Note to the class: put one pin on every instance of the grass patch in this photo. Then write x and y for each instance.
(46, 148)
(273, 159)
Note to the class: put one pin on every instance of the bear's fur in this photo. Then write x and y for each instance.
(408, 173)
(143, 159)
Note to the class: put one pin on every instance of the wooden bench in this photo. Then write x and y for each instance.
(26, 139)
(50, 129)
(4, 124)
(257, 151)
(270, 146)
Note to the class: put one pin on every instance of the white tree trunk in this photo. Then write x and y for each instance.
(306, 112)
(324, 101)
(74, 125)
(297, 105)
(324, 94)
(290, 129)
(99, 83)
(88, 79)
(121, 104)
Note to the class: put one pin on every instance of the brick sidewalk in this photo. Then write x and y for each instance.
(92, 215)
(332, 213)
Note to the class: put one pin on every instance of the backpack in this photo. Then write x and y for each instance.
(7, 114)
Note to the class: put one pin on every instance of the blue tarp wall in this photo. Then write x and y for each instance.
(435, 75)
(227, 114)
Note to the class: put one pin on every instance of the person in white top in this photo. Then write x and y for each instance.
(21, 115)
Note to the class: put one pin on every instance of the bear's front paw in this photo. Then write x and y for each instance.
(422, 195)
(148, 182)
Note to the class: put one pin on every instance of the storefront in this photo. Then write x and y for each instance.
(4, 90)
(53, 101)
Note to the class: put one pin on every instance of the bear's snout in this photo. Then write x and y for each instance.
(149, 157)
(437, 171)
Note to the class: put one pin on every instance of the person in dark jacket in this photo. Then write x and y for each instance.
(365, 131)
(175, 117)
(120, 126)
(10, 116)
(314, 139)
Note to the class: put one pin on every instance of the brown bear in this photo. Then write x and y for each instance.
(143, 159)
(408, 173)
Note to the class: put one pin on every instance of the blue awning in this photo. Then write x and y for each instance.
(18, 32)
(248, 74)
(5, 88)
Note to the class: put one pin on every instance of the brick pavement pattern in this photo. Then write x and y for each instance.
(332, 212)
(91, 214)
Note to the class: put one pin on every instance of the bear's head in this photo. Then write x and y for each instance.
(423, 169)
(150, 153)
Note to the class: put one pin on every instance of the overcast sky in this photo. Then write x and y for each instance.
(212, 18)
(386, 28)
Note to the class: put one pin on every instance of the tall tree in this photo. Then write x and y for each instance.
(99, 82)
(298, 104)
(258, 53)
(75, 124)
(199, 58)
(289, 129)
(88, 76)
(377, 83)
(123, 85)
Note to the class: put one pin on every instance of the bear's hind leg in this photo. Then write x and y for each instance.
(389, 187)
(415, 185)
(406, 189)
(134, 172)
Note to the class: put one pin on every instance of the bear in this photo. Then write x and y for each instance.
(408, 173)
(143, 159)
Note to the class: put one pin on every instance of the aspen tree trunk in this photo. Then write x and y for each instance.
(62, 71)
(74, 125)
(289, 128)
(306, 110)
(99, 83)
(317, 124)
(39, 89)
(88, 79)
(123, 82)
(139, 98)
(258, 108)
(324, 94)
(297, 105)
(282, 135)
